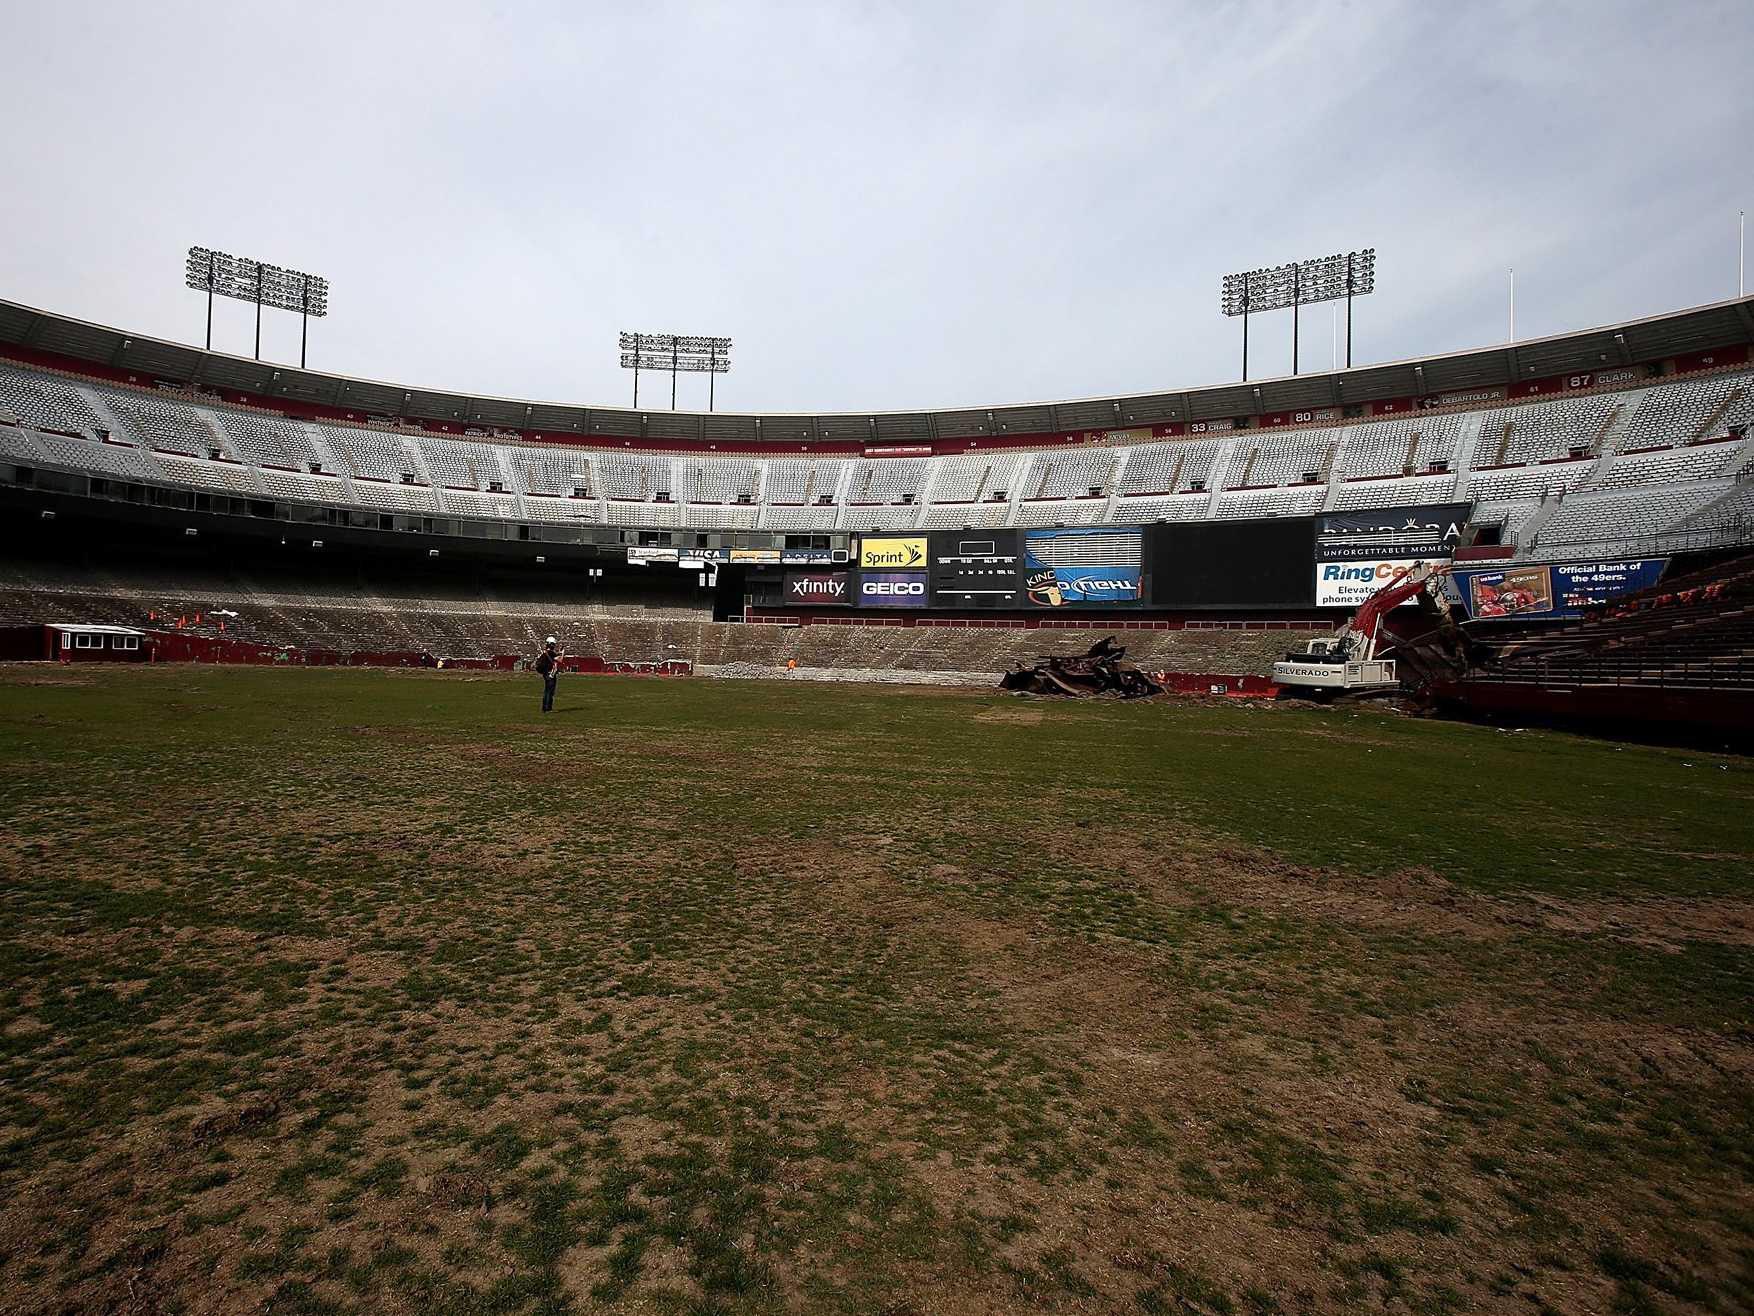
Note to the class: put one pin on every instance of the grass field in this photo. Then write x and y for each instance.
(352, 991)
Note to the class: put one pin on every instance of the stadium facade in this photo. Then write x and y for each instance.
(1274, 502)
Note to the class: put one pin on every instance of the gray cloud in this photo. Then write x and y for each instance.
(886, 205)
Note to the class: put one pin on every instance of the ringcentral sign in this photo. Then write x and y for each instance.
(818, 588)
(1358, 553)
(892, 589)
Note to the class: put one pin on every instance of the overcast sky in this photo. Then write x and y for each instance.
(885, 205)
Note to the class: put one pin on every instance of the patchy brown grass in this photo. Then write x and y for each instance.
(412, 1015)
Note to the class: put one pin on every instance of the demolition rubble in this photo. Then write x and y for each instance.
(1102, 670)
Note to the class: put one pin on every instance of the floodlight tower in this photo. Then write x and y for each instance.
(1324, 279)
(248, 280)
(678, 354)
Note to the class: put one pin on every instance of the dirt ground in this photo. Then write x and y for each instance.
(432, 1006)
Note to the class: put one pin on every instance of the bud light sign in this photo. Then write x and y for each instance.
(1058, 587)
(892, 589)
(1068, 567)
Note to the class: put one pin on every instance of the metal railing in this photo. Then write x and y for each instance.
(1729, 533)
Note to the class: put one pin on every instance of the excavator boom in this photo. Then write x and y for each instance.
(1347, 660)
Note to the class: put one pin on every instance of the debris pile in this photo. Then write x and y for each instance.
(1102, 670)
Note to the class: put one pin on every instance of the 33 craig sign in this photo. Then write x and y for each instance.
(897, 554)
(818, 589)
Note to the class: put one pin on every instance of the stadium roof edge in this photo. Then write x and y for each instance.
(1717, 324)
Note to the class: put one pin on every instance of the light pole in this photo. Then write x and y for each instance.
(1295, 285)
(248, 280)
(679, 354)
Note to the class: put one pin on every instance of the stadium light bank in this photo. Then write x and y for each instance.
(678, 354)
(1324, 279)
(248, 280)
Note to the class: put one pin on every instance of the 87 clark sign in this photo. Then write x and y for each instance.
(1358, 553)
(817, 588)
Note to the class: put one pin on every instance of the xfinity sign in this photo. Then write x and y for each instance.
(817, 588)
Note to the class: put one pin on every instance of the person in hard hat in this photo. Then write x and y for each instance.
(548, 667)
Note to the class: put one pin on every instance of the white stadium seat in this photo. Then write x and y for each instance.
(1662, 456)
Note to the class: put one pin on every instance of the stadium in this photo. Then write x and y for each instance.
(826, 951)
(272, 513)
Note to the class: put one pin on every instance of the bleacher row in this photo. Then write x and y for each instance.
(347, 609)
(1688, 631)
(1563, 475)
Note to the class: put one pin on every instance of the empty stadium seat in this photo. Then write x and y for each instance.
(1680, 442)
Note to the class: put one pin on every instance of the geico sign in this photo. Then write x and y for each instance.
(891, 588)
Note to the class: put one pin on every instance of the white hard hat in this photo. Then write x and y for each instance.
(551, 639)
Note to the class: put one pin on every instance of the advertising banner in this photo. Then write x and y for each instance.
(976, 569)
(1084, 566)
(1553, 590)
(755, 555)
(640, 556)
(893, 553)
(1357, 553)
(1422, 533)
(806, 556)
(1347, 584)
(892, 589)
(817, 589)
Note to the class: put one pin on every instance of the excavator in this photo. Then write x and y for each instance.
(1345, 663)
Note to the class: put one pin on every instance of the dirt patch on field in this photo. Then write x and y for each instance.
(1148, 1045)
(1667, 924)
(1415, 900)
(1022, 716)
(25, 674)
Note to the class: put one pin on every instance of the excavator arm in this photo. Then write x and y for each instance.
(1360, 634)
(1347, 662)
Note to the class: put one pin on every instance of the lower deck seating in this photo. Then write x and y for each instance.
(468, 616)
(464, 616)
(1693, 631)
